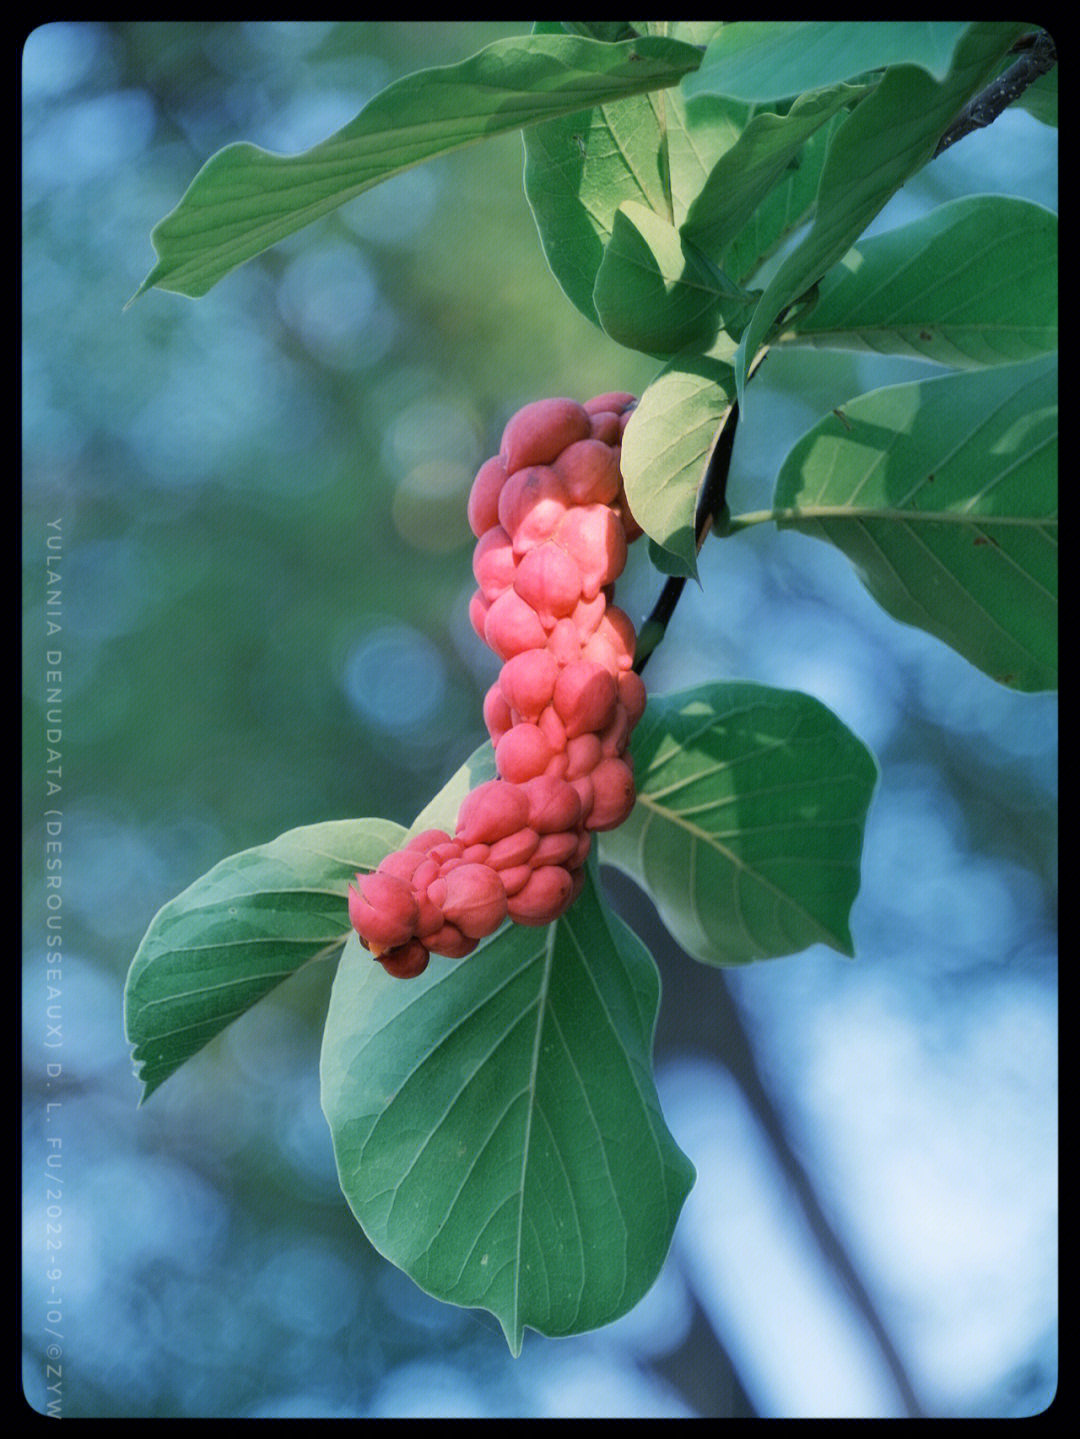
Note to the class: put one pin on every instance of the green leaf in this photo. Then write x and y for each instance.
(1041, 98)
(943, 494)
(787, 206)
(748, 827)
(749, 170)
(579, 169)
(666, 450)
(236, 933)
(972, 283)
(774, 59)
(245, 199)
(890, 135)
(496, 1125)
(656, 293)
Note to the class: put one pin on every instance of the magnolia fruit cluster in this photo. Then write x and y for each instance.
(552, 524)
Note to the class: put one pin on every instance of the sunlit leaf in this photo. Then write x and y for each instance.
(236, 933)
(581, 168)
(889, 135)
(496, 1126)
(743, 176)
(245, 199)
(666, 450)
(974, 282)
(653, 291)
(943, 494)
(773, 59)
(748, 827)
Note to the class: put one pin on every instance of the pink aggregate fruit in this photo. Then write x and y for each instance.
(552, 524)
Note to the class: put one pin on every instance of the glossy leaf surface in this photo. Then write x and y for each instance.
(748, 827)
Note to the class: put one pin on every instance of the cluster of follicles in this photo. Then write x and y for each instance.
(552, 524)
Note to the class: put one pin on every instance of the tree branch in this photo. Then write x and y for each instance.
(711, 508)
(1038, 57)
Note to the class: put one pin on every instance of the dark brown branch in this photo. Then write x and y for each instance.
(1038, 57)
(711, 508)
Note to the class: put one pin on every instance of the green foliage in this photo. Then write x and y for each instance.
(972, 283)
(748, 827)
(943, 495)
(701, 192)
(236, 933)
(774, 59)
(245, 199)
(495, 1123)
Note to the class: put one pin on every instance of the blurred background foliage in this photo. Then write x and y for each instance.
(266, 568)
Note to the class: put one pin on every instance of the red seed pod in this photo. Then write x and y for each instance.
(614, 737)
(512, 626)
(478, 609)
(515, 878)
(515, 849)
(539, 432)
(557, 766)
(564, 642)
(613, 788)
(483, 508)
(606, 427)
(582, 755)
(402, 864)
(436, 891)
(553, 729)
(426, 873)
(475, 900)
(548, 580)
(632, 695)
(532, 504)
(619, 628)
(427, 839)
(382, 910)
(527, 682)
(617, 400)
(450, 941)
(491, 812)
(405, 961)
(556, 849)
(522, 753)
(431, 916)
(589, 472)
(497, 714)
(553, 804)
(583, 788)
(588, 614)
(546, 895)
(441, 853)
(585, 697)
(493, 563)
(593, 536)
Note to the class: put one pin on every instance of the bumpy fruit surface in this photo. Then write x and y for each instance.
(552, 526)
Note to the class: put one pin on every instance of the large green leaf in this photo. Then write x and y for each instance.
(647, 150)
(889, 135)
(1041, 98)
(496, 1126)
(666, 450)
(236, 933)
(974, 282)
(654, 292)
(747, 171)
(943, 494)
(773, 59)
(748, 827)
(245, 199)
(787, 206)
